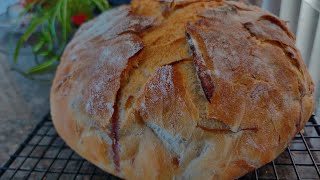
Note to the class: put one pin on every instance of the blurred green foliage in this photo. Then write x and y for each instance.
(52, 26)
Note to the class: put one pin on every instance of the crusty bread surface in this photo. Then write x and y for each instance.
(188, 89)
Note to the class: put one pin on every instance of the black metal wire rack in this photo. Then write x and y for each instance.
(44, 155)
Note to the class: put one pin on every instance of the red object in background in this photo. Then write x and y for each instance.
(79, 19)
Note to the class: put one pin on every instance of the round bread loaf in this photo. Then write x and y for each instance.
(184, 89)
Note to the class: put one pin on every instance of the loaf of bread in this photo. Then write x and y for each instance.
(188, 89)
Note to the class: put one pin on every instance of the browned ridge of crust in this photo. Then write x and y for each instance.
(187, 89)
(202, 69)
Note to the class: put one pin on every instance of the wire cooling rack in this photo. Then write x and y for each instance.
(44, 155)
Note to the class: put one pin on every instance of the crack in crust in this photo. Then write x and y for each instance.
(115, 119)
(61, 83)
(177, 62)
(203, 71)
(286, 48)
(115, 134)
(218, 130)
(114, 46)
(215, 125)
(279, 23)
(170, 6)
(240, 6)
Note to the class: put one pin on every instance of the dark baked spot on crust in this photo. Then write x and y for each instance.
(279, 140)
(175, 161)
(138, 117)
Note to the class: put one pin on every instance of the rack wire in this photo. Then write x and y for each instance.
(44, 155)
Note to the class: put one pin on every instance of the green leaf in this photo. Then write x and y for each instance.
(29, 76)
(35, 22)
(32, 27)
(45, 53)
(43, 67)
(46, 34)
(102, 5)
(17, 50)
(58, 10)
(64, 20)
(38, 46)
(47, 37)
(52, 28)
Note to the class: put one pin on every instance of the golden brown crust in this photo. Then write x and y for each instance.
(181, 90)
